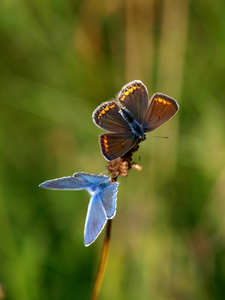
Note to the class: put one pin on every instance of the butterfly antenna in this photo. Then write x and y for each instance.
(162, 137)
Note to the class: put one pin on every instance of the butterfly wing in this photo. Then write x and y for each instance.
(65, 183)
(102, 206)
(91, 180)
(78, 181)
(134, 96)
(107, 117)
(114, 145)
(95, 220)
(161, 109)
(108, 198)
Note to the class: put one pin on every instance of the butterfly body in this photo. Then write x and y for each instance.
(131, 118)
(102, 205)
(135, 126)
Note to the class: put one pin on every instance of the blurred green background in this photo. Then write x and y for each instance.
(58, 61)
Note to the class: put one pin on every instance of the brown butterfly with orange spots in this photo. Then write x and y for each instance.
(130, 118)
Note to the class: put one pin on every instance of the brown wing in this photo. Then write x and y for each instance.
(134, 96)
(107, 117)
(115, 145)
(161, 109)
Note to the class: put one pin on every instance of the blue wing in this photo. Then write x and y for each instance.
(92, 179)
(108, 198)
(78, 181)
(102, 206)
(95, 220)
(65, 183)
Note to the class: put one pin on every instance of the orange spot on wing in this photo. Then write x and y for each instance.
(101, 113)
(105, 141)
(129, 91)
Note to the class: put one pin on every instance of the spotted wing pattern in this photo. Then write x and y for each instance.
(161, 109)
(114, 145)
(107, 117)
(134, 96)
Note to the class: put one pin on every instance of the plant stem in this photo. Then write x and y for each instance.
(102, 264)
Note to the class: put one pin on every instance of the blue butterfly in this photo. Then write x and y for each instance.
(102, 205)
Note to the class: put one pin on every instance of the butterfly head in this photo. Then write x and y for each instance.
(142, 137)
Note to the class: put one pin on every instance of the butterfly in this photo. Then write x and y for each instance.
(102, 205)
(130, 118)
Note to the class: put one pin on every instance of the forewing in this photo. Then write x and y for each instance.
(107, 117)
(134, 96)
(95, 220)
(115, 145)
(161, 109)
(65, 183)
(91, 179)
(108, 198)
